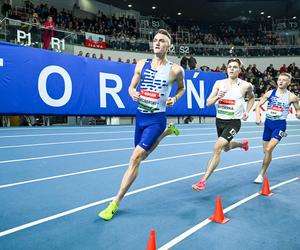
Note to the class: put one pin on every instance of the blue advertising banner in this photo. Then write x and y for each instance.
(35, 81)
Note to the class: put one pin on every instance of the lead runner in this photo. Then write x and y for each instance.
(156, 77)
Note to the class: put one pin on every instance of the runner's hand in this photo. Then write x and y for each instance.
(258, 121)
(245, 116)
(135, 96)
(221, 94)
(171, 101)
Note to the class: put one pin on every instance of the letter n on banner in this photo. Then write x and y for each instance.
(191, 91)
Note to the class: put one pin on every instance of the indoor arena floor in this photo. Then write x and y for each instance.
(55, 180)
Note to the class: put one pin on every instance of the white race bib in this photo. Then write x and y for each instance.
(148, 100)
(274, 112)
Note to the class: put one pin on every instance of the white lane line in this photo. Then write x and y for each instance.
(105, 140)
(1, 62)
(205, 222)
(100, 151)
(77, 209)
(111, 127)
(108, 132)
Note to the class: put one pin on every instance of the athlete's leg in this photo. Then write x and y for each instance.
(215, 159)
(212, 163)
(235, 144)
(273, 133)
(268, 149)
(171, 129)
(131, 173)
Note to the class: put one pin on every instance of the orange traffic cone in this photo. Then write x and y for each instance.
(266, 188)
(219, 215)
(152, 241)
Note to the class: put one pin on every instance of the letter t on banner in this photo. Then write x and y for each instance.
(112, 91)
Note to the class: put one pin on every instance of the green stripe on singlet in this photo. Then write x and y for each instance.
(223, 112)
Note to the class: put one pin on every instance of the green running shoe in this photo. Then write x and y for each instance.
(174, 130)
(109, 212)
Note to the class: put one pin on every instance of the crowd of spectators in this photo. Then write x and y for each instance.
(123, 32)
(262, 80)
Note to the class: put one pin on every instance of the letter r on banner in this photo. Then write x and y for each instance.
(104, 90)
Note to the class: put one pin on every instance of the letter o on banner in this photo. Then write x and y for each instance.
(42, 86)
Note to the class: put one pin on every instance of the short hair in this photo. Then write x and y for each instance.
(288, 75)
(235, 60)
(164, 32)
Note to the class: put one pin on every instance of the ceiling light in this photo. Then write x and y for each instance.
(129, 5)
(179, 13)
(294, 17)
(262, 13)
(249, 11)
(268, 16)
(153, 7)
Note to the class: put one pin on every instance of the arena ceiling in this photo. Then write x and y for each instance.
(211, 11)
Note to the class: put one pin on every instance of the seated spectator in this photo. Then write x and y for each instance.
(255, 71)
(271, 71)
(293, 69)
(184, 62)
(192, 62)
(283, 69)
(218, 69)
(94, 55)
(80, 53)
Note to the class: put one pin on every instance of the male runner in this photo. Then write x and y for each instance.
(228, 95)
(279, 101)
(155, 77)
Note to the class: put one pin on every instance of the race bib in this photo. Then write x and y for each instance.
(274, 112)
(148, 100)
(226, 107)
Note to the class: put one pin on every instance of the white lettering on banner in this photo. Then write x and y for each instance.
(190, 89)
(57, 42)
(42, 86)
(22, 35)
(112, 91)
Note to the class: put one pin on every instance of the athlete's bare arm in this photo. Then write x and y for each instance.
(261, 102)
(215, 94)
(295, 101)
(135, 80)
(249, 93)
(178, 76)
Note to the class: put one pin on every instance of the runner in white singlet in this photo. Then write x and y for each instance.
(228, 95)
